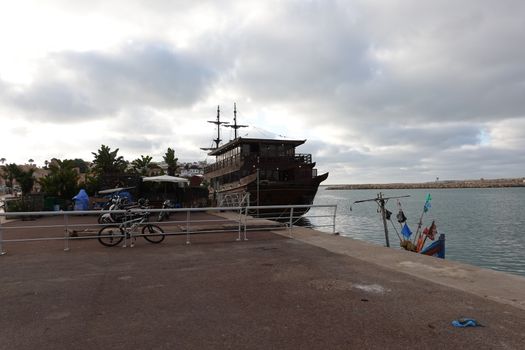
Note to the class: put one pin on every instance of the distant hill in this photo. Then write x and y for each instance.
(481, 183)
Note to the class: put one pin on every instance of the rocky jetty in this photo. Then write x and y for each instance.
(481, 183)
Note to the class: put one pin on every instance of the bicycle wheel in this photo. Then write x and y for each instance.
(110, 235)
(153, 233)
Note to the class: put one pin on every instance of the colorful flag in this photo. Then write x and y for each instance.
(431, 231)
(405, 231)
(401, 218)
(427, 205)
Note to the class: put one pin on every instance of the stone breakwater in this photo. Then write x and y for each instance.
(481, 183)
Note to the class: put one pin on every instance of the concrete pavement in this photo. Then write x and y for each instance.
(315, 291)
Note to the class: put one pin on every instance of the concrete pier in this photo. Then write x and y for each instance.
(309, 291)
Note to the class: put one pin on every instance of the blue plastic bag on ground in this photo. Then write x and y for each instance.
(466, 322)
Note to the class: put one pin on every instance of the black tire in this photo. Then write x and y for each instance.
(153, 233)
(110, 235)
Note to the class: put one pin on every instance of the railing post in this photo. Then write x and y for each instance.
(66, 233)
(291, 221)
(333, 219)
(188, 227)
(240, 220)
(2, 251)
(246, 210)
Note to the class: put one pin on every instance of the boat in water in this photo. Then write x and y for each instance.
(415, 243)
(261, 172)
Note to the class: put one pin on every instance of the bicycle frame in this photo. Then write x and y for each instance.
(130, 226)
(113, 234)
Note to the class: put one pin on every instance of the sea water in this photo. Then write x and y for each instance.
(483, 227)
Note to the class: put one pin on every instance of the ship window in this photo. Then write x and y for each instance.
(272, 151)
(245, 150)
(281, 151)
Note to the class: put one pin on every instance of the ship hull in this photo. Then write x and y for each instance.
(267, 193)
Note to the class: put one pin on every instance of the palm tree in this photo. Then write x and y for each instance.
(2, 160)
(26, 180)
(142, 164)
(62, 180)
(108, 168)
(10, 173)
(107, 161)
(30, 161)
(170, 159)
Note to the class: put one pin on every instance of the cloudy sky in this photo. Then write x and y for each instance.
(383, 90)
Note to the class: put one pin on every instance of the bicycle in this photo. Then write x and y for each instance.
(111, 235)
(115, 203)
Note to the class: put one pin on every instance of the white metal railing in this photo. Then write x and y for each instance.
(240, 199)
(231, 219)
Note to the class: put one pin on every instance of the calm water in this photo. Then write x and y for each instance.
(483, 227)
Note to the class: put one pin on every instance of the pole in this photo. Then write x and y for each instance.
(66, 233)
(188, 227)
(291, 222)
(381, 202)
(2, 251)
(333, 222)
(257, 186)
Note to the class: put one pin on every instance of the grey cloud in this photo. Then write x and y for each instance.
(422, 82)
(305, 50)
(57, 100)
(96, 84)
(151, 74)
(458, 65)
(422, 137)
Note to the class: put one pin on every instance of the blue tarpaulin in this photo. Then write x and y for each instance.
(81, 200)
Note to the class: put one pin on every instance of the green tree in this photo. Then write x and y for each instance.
(142, 164)
(81, 165)
(107, 161)
(170, 159)
(62, 180)
(10, 172)
(108, 167)
(25, 179)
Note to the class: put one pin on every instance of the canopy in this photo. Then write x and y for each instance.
(166, 178)
(113, 190)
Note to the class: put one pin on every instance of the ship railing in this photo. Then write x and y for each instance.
(234, 199)
(68, 229)
(303, 158)
(262, 159)
(224, 163)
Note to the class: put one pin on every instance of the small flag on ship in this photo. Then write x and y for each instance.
(431, 231)
(406, 231)
(427, 205)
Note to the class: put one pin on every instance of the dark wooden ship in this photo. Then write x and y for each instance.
(269, 170)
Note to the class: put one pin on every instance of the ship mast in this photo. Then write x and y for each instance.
(218, 123)
(235, 126)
